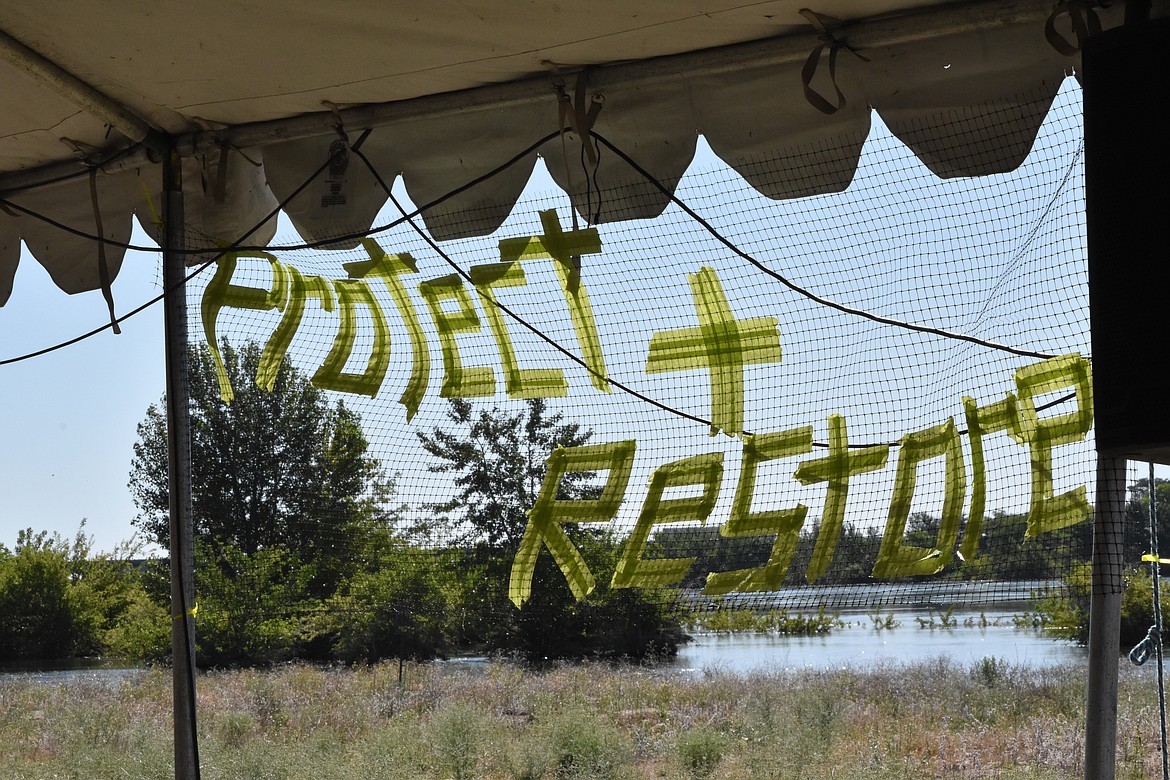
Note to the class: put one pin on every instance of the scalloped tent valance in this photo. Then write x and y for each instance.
(452, 93)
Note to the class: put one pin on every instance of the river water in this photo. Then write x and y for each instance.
(976, 635)
(917, 636)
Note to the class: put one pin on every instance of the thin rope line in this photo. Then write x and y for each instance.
(567, 353)
(308, 245)
(233, 247)
(408, 218)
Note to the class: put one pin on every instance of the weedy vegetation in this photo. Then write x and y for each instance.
(579, 722)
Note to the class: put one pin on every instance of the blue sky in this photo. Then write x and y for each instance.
(69, 417)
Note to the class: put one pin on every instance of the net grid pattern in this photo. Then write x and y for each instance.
(999, 258)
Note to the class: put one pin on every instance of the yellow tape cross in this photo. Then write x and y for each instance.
(836, 469)
(722, 345)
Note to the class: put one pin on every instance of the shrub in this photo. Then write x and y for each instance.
(1066, 614)
(458, 736)
(400, 610)
(584, 749)
(701, 751)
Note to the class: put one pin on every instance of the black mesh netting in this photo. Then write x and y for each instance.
(755, 402)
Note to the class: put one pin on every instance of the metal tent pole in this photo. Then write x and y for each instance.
(1105, 621)
(179, 464)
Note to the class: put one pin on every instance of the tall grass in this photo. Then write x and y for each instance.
(775, 621)
(927, 720)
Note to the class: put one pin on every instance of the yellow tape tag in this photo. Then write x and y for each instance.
(722, 345)
(1154, 559)
(458, 381)
(565, 250)
(221, 293)
(702, 470)
(390, 269)
(519, 382)
(1048, 511)
(192, 612)
(836, 468)
(784, 523)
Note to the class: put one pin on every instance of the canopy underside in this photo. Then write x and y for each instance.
(943, 83)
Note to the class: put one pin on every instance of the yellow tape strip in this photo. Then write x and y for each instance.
(634, 571)
(192, 612)
(836, 469)
(519, 382)
(562, 248)
(300, 288)
(1049, 512)
(221, 293)
(981, 421)
(722, 345)
(389, 268)
(147, 196)
(896, 559)
(458, 382)
(331, 375)
(784, 523)
(1148, 558)
(547, 514)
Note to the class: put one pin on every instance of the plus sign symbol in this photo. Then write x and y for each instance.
(721, 344)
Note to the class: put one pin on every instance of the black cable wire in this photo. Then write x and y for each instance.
(308, 245)
(408, 218)
(516, 317)
(797, 288)
(466, 276)
(235, 246)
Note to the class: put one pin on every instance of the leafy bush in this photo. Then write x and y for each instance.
(252, 609)
(700, 751)
(458, 738)
(57, 599)
(398, 610)
(583, 748)
(1067, 615)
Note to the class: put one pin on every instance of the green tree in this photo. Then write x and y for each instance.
(1137, 519)
(271, 469)
(36, 616)
(498, 460)
(59, 599)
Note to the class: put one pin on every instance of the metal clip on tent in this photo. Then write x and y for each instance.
(1085, 23)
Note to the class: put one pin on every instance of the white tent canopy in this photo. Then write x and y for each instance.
(254, 96)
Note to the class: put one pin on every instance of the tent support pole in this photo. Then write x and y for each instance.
(1105, 621)
(179, 465)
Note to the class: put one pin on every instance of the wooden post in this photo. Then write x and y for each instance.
(179, 466)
